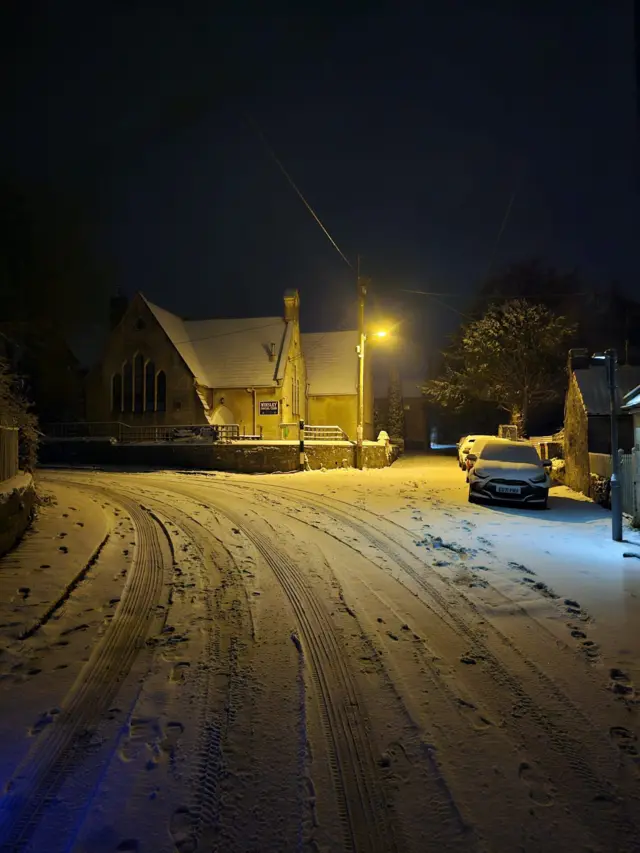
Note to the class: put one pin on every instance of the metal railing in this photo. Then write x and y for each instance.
(127, 434)
(324, 433)
(9, 443)
(630, 484)
(86, 429)
(600, 464)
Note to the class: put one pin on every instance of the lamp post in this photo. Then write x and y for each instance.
(362, 343)
(362, 293)
(610, 358)
(616, 496)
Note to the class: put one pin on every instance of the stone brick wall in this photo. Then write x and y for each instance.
(244, 458)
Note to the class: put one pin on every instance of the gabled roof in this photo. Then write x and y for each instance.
(332, 362)
(592, 382)
(632, 400)
(229, 353)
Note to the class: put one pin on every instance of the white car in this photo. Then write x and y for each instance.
(465, 446)
(508, 471)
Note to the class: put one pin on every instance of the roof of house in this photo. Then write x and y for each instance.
(592, 382)
(332, 364)
(632, 400)
(229, 353)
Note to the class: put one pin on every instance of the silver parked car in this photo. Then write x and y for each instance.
(508, 471)
(465, 447)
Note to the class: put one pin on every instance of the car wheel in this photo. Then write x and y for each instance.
(545, 502)
(472, 498)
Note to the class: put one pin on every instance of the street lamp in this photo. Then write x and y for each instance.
(610, 360)
(361, 349)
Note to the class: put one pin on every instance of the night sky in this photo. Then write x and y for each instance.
(407, 130)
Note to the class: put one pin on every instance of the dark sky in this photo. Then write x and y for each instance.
(406, 129)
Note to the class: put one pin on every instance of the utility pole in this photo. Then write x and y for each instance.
(616, 497)
(362, 294)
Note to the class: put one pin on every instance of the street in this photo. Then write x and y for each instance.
(324, 661)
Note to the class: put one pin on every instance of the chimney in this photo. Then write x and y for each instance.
(272, 351)
(118, 304)
(578, 359)
(291, 305)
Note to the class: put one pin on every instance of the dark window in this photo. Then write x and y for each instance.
(127, 387)
(138, 384)
(149, 387)
(161, 392)
(116, 392)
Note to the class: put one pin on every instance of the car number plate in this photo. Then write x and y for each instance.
(508, 490)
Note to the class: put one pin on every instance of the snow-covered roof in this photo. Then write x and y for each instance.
(229, 353)
(592, 382)
(632, 400)
(332, 362)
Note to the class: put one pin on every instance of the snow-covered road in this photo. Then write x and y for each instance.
(326, 661)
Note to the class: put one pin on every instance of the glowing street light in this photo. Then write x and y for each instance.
(381, 334)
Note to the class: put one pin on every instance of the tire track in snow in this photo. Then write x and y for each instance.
(362, 806)
(218, 660)
(60, 747)
(434, 788)
(566, 745)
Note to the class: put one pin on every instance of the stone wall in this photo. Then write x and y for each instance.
(17, 501)
(244, 458)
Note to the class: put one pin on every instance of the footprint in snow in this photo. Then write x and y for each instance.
(621, 684)
(624, 739)
(519, 567)
(182, 827)
(43, 721)
(539, 790)
(478, 721)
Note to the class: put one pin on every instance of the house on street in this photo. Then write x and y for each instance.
(631, 404)
(159, 369)
(587, 416)
(332, 376)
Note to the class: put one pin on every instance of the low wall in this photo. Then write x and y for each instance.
(17, 500)
(246, 458)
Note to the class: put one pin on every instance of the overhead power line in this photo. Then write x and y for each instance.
(279, 164)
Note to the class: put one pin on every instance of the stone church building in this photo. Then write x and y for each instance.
(159, 369)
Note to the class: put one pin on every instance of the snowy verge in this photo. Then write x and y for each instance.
(17, 498)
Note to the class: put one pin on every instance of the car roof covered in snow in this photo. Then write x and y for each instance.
(516, 452)
(332, 362)
(594, 389)
(229, 353)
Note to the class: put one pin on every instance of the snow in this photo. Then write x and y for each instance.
(317, 661)
(18, 483)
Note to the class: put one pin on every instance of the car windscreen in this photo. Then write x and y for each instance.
(515, 453)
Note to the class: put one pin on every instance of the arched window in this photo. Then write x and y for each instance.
(127, 387)
(161, 392)
(149, 387)
(116, 393)
(138, 384)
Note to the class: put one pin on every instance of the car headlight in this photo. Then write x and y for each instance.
(539, 478)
